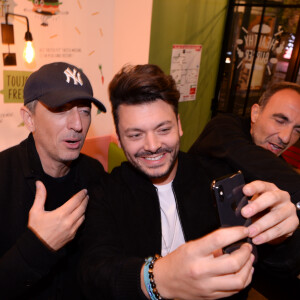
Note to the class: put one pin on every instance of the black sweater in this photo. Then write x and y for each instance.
(226, 147)
(28, 269)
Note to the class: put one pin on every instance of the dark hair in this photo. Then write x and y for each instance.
(283, 85)
(141, 84)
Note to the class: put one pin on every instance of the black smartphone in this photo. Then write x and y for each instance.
(229, 199)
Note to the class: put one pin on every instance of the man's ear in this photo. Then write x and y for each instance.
(119, 142)
(28, 118)
(255, 111)
(179, 125)
(118, 139)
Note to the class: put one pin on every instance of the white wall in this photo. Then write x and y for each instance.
(131, 32)
(131, 40)
(109, 33)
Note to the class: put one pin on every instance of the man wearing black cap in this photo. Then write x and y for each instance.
(44, 184)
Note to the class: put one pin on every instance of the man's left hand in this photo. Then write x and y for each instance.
(274, 215)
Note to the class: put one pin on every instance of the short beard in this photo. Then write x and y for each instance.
(174, 157)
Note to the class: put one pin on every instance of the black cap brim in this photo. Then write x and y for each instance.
(57, 98)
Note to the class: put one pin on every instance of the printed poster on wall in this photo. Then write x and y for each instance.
(185, 67)
(270, 46)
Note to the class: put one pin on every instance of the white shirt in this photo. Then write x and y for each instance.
(172, 234)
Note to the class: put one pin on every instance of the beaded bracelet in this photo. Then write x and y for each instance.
(149, 278)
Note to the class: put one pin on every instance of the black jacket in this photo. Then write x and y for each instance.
(28, 269)
(123, 227)
(226, 146)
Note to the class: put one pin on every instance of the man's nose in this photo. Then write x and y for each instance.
(74, 120)
(152, 143)
(285, 134)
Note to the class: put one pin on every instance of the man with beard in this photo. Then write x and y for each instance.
(44, 187)
(159, 204)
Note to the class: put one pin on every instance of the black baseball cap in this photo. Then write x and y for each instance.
(58, 83)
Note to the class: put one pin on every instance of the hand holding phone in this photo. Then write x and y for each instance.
(229, 198)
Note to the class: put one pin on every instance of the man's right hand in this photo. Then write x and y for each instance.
(58, 227)
(194, 271)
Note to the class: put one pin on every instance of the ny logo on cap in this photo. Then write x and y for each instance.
(75, 75)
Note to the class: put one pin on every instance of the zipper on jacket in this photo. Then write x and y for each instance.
(157, 198)
(177, 209)
(178, 212)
